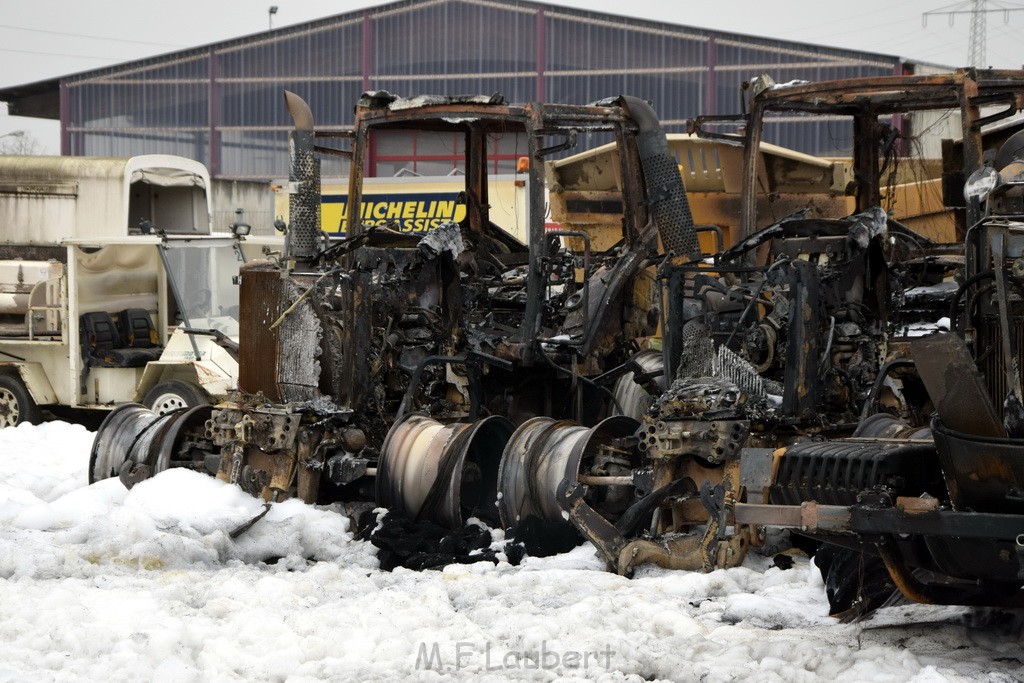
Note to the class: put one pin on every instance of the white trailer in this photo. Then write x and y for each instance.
(113, 286)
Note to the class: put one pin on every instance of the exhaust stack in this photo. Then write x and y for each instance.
(301, 242)
(665, 192)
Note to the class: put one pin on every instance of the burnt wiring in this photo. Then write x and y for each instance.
(580, 378)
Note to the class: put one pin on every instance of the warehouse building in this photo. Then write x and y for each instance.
(222, 103)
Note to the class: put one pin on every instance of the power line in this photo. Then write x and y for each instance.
(878, 38)
(937, 43)
(86, 35)
(800, 32)
(1005, 32)
(63, 54)
(795, 30)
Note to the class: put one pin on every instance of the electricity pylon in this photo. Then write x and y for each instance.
(979, 10)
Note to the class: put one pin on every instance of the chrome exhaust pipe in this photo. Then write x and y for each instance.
(303, 237)
(665, 191)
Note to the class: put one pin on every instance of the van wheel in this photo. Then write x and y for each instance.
(16, 404)
(174, 395)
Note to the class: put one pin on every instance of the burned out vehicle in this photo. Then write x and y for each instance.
(795, 397)
(924, 496)
(460, 373)
(395, 367)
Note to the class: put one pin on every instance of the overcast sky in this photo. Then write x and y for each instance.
(48, 38)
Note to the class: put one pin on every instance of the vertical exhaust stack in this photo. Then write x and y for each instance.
(301, 242)
(665, 192)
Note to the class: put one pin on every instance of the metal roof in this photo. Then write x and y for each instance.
(42, 98)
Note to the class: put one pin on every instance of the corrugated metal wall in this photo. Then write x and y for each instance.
(222, 104)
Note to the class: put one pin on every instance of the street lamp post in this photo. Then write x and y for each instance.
(271, 11)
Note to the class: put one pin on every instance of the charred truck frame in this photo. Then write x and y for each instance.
(464, 374)
(386, 367)
(924, 497)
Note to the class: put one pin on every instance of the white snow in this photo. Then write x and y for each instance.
(789, 84)
(924, 329)
(99, 583)
(944, 287)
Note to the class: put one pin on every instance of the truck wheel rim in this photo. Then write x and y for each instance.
(462, 457)
(540, 455)
(9, 409)
(165, 403)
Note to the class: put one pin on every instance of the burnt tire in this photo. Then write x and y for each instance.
(856, 583)
(105, 462)
(173, 395)
(16, 404)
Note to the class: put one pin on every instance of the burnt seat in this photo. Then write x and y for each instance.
(124, 344)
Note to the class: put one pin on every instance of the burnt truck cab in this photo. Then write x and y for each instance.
(466, 296)
(514, 296)
(923, 498)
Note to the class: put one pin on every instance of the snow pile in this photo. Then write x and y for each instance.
(176, 520)
(102, 583)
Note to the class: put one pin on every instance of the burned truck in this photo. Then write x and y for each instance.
(461, 374)
(923, 498)
(398, 368)
(844, 377)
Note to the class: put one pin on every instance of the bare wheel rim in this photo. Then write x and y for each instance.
(10, 410)
(165, 403)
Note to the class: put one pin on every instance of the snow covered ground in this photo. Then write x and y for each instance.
(98, 583)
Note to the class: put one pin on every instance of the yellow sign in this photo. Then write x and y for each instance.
(415, 205)
(408, 212)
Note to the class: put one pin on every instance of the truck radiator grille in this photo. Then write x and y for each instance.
(834, 472)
